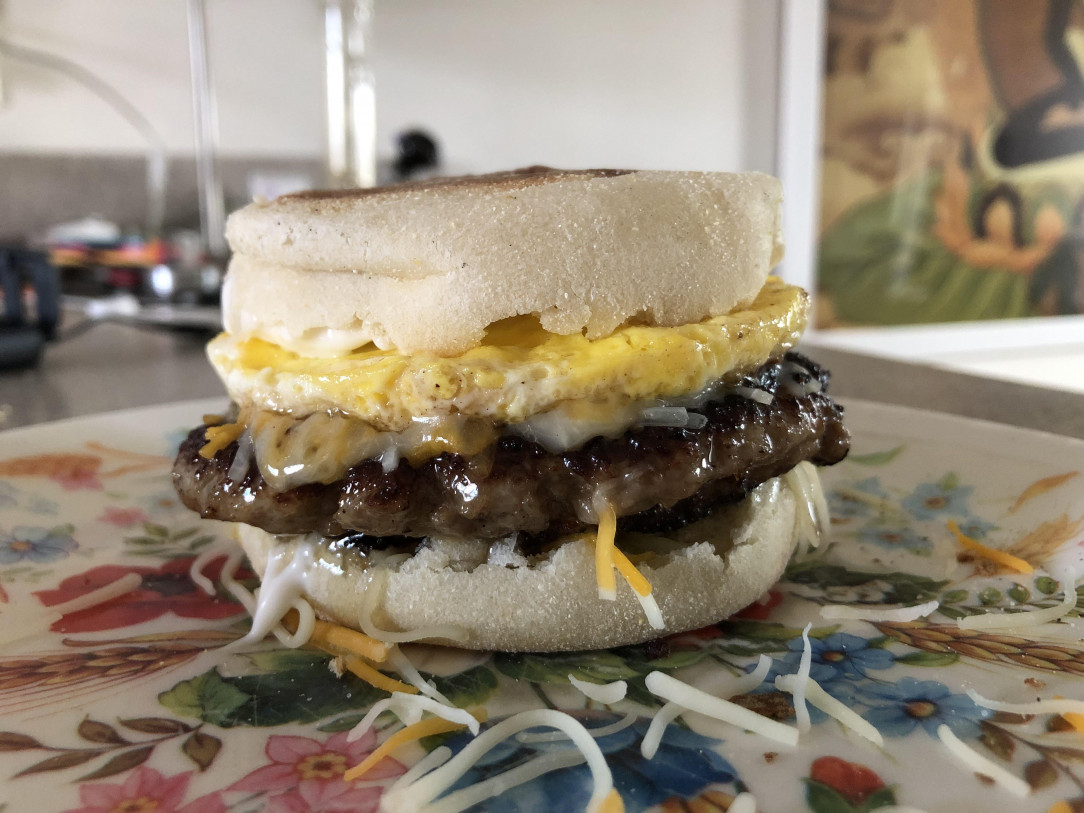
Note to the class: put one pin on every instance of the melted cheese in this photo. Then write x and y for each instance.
(519, 371)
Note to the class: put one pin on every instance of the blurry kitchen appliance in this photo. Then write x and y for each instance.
(351, 97)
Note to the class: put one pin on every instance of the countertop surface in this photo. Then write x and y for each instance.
(115, 366)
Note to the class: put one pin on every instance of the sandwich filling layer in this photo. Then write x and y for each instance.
(656, 478)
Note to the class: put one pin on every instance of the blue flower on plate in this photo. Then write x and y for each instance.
(849, 501)
(936, 500)
(894, 537)
(37, 545)
(840, 655)
(896, 709)
(684, 765)
(975, 527)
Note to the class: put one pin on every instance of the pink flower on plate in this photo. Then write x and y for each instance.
(300, 763)
(122, 517)
(335, 796)
(146, 791)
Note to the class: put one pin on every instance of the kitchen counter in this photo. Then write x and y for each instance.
(115, 366)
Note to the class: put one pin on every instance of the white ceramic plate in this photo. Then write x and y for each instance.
(135, 703)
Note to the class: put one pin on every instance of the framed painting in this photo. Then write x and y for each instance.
(933, 155)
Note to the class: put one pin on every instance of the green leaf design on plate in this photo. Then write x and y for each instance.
(304, 692)
(882, 797)
(901, 588)
(595, 667)
(207, 697)
(875, 458)
(823, 799)
(929, 659)
(471, 688)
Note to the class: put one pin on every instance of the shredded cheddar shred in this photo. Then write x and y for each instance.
(999, 556)
(356, 666)
(604, 553)
(423, 728)
(219, 437)
(637, 581)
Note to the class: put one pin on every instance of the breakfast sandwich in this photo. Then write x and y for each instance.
(529, 411)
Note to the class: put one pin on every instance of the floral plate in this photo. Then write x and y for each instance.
(132, 705)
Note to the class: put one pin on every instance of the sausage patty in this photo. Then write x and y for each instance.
(656, 478)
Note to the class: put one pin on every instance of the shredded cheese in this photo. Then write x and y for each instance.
(669, 712)
(597, 733)
(338, 640)
(693, 699)
(21, 622)
(496, 785)
(816, 695)
(398, 659)
(434, 759)
(863, 613)
(1058, 705)
(606, 693)
(1001, 557)
(219, 437)
(977, 762)
(195, 570)
(637, 581)
(604, 553)
(420, 794)
(409, 708)
(356, 666)
(1075, 719)
(801, 679)
(369, 601)
(1030, 618)
(424, 728)
(107, 592)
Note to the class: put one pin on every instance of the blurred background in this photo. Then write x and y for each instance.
(128, 128)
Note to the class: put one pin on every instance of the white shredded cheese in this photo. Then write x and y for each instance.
(195, 570)
(401, 663)
(409, 709)
(693, 699)
(1058, 705)
(977, 762)
(369, 601)
(832, 707)
(801, 678)
(107, 592)
(748, 682)
(597, 733)
(666, 715)
(1004, 622)
(862, 613)
(606, 693)
(434, 759)
(21, 622)
(420, 794)
(496, 785)
(743, 803)
(651, 610)
(649, 745)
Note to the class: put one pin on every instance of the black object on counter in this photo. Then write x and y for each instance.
(22, 338)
